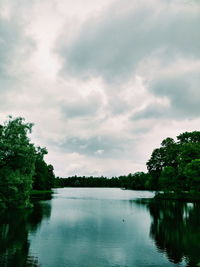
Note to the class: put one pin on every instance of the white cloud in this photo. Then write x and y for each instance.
(99, 152)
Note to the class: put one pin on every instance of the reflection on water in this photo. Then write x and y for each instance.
(176, 230)
(92, 227)
(14, 229)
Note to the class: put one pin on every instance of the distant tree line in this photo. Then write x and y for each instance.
(22, 165)
(175, 166)
(137, 181)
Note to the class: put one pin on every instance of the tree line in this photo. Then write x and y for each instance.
(22, 164)
(136, 181)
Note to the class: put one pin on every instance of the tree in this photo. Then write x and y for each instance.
(17, 163)
(165, 156)
(189, 137)
(172, 158)
(43, 178)
(168, 179)
(155, 165)
(192, 173)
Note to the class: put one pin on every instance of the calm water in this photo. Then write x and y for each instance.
(87, 227)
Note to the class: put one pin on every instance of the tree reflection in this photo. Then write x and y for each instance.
(14, 229)
(175, 228)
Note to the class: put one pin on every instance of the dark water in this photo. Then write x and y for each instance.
(101, 227)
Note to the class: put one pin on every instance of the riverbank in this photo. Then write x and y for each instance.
(41, 194)
(180, 196)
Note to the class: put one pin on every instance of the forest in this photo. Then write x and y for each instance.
(174, 167)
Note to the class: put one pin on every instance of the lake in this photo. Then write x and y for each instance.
(94, 227)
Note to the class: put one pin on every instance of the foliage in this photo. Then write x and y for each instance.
(19, 163)
(17, 159)
(168, 178)
(192, 172)
(44, 176)
(175, 165)
(136, 181)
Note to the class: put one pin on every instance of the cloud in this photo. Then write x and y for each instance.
(15, 46)
(97, 146)
(152, 111)
(99, 152)
(68, 164)
(112, 44)
(182, 91)
(104, 82)
(82, 106)
(176, 93)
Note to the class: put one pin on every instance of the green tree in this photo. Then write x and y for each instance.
(43, 178)
(17, 163)
(167, 163)
(189, 137)
(168, 179)
(165, 156)
(192, 173)
(155, 166)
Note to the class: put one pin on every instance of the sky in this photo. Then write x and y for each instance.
(104, 82)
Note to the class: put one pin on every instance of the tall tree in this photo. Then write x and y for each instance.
(17, 163)
(170, 166)
(43, 178)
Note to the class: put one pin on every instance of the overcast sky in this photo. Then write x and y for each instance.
(104, 82)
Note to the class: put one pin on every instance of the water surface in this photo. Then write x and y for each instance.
(85, 227)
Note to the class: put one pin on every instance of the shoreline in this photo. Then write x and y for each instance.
(181, 196)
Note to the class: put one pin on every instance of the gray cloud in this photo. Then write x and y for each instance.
(10, 37)
(113, 44)
(98, 146)
(82, 106)
(14, 45)
(181, 91)
(152, 111)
